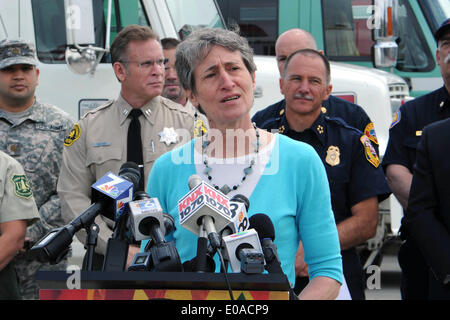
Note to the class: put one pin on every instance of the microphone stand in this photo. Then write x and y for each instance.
(91, 242)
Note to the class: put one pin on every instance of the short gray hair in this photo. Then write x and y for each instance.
(191, 52)
(311, 53)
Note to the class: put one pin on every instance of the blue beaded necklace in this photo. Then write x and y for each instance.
(248, 170)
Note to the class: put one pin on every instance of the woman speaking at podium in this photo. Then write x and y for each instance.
(282, 178)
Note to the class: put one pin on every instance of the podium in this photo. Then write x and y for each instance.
(95, 285)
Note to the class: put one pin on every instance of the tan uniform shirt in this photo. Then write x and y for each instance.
(16, 197)
(98, 144)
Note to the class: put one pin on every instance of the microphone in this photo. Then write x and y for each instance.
(110, 194)
(147, 221)
(239, 206)
(203, 262)
(204, 206)
(146, 218)
(243, 251)
(266, 231)
(117, 247)
(117, 188)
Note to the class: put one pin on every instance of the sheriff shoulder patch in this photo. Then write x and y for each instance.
(199, 128)
(369, 150)
(21, 186)
(73, 136)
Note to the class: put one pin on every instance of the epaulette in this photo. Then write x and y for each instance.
(341, 123)
(101, 107)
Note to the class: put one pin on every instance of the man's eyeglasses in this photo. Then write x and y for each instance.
(148, 63)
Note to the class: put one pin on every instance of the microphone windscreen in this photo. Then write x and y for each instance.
(194, 181)
(263, 225)
(131, 172)
(243, 199)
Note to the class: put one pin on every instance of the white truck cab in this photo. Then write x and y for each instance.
(77, 76)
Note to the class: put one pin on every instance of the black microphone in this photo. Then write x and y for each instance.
(149, 222)
(203, 262)
(117, 247)
(55, 244)
(266, 231)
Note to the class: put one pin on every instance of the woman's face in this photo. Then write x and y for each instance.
(224, 87)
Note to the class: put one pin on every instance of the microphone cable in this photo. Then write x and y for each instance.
(227, 281)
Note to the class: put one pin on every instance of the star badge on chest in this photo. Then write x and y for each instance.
(168, 136)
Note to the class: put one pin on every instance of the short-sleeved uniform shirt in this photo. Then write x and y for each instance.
(408, 123)
(353, 170)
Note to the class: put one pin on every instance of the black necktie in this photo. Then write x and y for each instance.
(134, 143)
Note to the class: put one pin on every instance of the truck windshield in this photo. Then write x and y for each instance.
(436, 12)
(348, 26)
(49, 25)
(187, 17)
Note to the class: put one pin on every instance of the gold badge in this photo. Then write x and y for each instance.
(73, 136)
(281, 129)
(324, 110)
(333, 154)
(418, 133)
(281, 112)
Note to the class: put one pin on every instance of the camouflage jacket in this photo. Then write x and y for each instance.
(36, 142)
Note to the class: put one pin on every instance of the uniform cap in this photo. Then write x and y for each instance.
(445, 26)
(16, 52)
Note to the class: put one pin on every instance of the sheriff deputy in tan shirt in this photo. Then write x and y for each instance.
(98, 142)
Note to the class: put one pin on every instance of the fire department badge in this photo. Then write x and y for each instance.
(333, 154)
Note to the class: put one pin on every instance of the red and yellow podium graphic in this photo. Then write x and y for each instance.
(136, 294)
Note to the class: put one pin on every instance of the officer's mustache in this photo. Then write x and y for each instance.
(303, 96)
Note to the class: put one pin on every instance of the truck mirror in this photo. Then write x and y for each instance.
(385, 49)
(385, 54)
(81, 55)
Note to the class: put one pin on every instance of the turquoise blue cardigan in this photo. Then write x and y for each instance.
(293, 192)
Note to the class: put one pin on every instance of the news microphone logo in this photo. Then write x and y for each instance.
(239, 216)
(200, 200)
(116, 188)
(140, 213)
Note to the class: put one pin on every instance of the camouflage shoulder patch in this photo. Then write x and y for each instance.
(396, 119)
(21, 186)
(369, 150)
(73, 136)
(369, 131)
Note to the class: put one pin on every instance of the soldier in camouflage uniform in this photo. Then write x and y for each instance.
(33, 133)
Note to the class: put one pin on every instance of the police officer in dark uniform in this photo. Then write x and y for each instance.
(353, 114)
(333, 107)
(427, 219)
(404, 135)
(357, 182)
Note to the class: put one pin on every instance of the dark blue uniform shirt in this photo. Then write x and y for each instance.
(408, 123)
(335, 107)
(351, 163)
(404, 135)
(353, 170)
